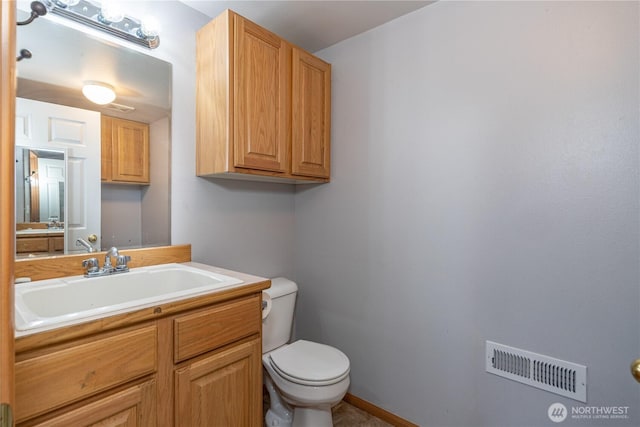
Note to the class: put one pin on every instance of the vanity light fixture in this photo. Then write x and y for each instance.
(98, 92)
(109, 17)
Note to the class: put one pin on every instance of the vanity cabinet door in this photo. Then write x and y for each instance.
(222, 389)
(132, 407)
(125, 151)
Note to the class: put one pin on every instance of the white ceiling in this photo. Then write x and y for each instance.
(55, 74)
(313, 24)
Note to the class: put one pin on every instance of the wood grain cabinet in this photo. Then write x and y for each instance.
(125, 151)
(40, 243)
(263, 106)
(201, 367)
(220, 389)
(131, 407)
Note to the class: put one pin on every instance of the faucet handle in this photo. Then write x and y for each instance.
(91, 265)
(121, 262)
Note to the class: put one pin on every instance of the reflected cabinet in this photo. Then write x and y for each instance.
(125, 151)
(263, 105)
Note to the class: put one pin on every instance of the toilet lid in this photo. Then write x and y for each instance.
(310, 363)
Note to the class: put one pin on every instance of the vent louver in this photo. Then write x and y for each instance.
(547, 373)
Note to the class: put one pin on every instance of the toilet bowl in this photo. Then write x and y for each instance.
(304, 379)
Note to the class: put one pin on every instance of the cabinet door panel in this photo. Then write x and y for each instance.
(130, 161)
(260, 109)
(133, 407)
(224, 389)
(203, 331)
(311, 116)
(87, 369)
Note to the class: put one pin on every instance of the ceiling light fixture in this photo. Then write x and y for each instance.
(98, 92)
(109, 17)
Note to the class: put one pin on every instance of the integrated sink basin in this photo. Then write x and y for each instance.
(51, 303)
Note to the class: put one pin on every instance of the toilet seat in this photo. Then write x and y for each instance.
(309, 363)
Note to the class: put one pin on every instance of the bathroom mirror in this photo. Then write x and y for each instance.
(62, 59)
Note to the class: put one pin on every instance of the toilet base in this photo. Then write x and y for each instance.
(316, 417)
(282, 414)
(279, 413)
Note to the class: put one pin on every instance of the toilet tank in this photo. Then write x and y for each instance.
(276, 327)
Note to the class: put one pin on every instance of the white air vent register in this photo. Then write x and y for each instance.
(554, 375)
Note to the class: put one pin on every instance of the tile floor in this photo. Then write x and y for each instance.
(346, 415)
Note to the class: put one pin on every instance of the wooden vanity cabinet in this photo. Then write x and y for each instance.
(40, 243)
(199, 367)
(131, 407)
(223, 387)
(262, 105)
(125, 151)
(47, 380)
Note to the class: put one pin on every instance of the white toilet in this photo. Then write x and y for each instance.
(304, 379)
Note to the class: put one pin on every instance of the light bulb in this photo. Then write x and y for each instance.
(111, 12)
(149, 27)
(98, 92)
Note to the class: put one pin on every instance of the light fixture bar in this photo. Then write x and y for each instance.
(87, 13)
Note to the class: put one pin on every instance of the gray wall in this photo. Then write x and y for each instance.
(238, 225)
(134, 215)
(121, 216)
(484, 186)
(156, 198)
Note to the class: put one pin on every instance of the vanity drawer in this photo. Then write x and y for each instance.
(209, 329)
(86, 369)
(32, 244)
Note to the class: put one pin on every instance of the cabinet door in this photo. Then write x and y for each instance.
(311, 115)
(130, 155)
(224, 389)
(132, 407)
(261, 106)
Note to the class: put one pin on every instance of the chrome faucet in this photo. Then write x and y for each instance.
(113, 251)
(88, 246)
(94, 270)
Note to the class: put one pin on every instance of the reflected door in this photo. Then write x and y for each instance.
(52, 126)
(51, 183)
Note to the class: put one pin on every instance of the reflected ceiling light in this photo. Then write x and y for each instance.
(98, 92)
(107, 16)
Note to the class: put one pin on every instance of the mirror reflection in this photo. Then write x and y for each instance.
(40, 201)
(40, 186)
(133, 204)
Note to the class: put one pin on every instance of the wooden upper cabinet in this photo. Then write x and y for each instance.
(245, 113)
(260, 93)
(125, 151)
(311, 115)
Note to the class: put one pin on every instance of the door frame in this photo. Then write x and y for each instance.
(7, 195)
